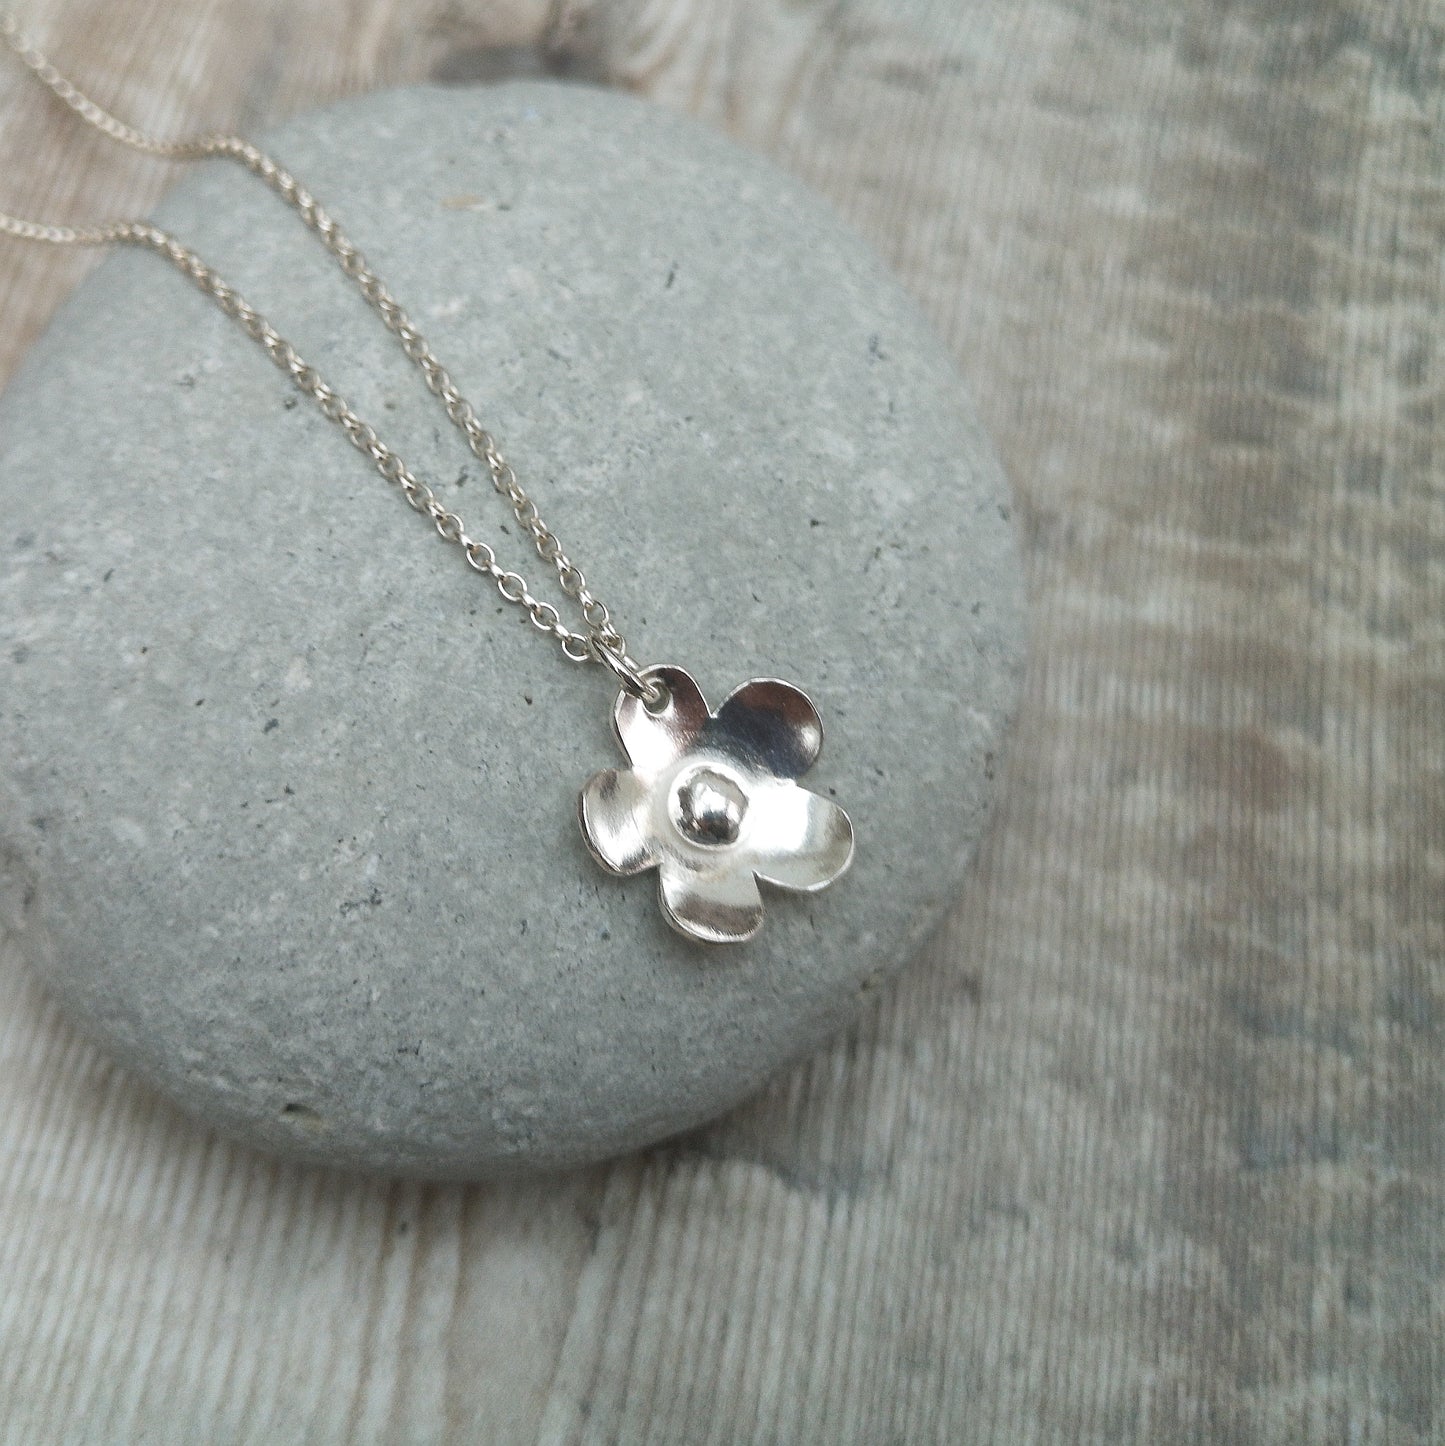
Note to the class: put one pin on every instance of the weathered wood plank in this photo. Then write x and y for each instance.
(1148, 1145)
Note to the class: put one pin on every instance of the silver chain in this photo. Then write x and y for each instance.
(599, 641)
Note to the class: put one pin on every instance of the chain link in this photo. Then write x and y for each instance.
(599, 641)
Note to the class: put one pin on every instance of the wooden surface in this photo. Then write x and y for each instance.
(1150, 1146)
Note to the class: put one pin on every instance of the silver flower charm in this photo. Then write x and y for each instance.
(711, 802)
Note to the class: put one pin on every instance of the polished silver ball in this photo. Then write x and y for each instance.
(708, 807)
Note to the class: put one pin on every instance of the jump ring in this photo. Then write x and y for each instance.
(629, 673)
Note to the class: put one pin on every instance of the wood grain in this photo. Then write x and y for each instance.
(1148, 1145)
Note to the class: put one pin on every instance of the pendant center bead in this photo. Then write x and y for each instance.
(708, 808)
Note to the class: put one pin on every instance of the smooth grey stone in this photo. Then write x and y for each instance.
(289, 796)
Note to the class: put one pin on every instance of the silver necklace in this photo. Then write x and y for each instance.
(711, 799)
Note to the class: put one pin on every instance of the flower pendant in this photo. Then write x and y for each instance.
(713, 804)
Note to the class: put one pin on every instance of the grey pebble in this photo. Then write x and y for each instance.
(288, 796)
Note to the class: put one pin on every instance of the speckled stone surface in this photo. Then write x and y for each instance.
(288, 798)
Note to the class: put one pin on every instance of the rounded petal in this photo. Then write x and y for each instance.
(803, 841)
(653, 740)
(717, 906)
(614, 814)
(772, 726)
